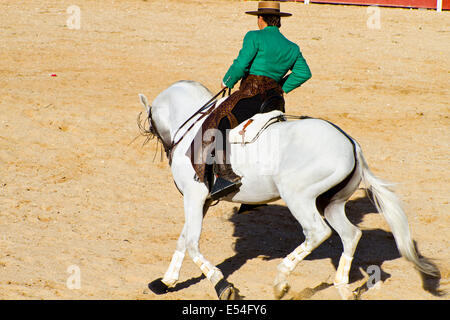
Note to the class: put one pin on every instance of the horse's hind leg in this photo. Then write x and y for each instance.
(350, 235)
(316, 231)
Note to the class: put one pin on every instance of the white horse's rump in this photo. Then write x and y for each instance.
(298, 161)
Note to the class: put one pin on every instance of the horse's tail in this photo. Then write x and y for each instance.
(390, 207)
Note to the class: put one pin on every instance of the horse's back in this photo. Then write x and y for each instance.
(311, 142)
(311, 133)
(291, 153)
(187, 93)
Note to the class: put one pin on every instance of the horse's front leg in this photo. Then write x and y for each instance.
(195, 207)
(194, 204)
(162, 285)
(173, 271)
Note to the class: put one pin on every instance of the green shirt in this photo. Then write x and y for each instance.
(268, 53)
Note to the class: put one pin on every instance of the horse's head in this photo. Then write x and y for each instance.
(170, 109)
(144, 102)
(156, 127)
(151, 130)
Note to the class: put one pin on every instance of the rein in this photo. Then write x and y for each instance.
(169, 148)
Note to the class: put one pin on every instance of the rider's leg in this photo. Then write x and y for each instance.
(227, 180)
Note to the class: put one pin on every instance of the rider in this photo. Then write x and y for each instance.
(265, 58)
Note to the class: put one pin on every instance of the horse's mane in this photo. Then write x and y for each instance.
(143, 123)
(192, 83)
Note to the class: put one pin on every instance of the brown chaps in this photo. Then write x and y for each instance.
(250, 86)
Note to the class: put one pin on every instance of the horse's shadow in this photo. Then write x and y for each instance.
(272, 232)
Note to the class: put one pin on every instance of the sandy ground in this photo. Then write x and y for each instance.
(77, 198)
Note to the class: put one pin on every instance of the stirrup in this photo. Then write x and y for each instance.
(223, 187)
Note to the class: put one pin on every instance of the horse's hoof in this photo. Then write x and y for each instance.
(158, 287)
(346, 293)
(226, 291)
(280, 290)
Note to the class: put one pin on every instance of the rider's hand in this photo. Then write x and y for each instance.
(222, 85)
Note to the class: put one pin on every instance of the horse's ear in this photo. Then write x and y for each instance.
(144, 102)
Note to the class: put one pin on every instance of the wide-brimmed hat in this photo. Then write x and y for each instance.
(269, 7)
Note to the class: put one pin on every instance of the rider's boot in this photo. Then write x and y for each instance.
(226, 182)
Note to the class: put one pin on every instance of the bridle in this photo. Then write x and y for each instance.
(154, 131)
(168, 148)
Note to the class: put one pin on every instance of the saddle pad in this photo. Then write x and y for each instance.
(249, 130)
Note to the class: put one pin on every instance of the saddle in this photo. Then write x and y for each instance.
(251, 86)
(249, 131)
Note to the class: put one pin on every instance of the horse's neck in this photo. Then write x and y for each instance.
(183, 100)
(180, 113)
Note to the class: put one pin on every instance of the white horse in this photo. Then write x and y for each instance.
(315, 158)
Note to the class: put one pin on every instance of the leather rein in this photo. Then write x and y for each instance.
(168, 148)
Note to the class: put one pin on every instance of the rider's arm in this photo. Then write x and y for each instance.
(300, 74)
(242, 63)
